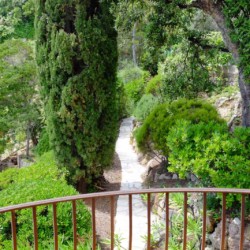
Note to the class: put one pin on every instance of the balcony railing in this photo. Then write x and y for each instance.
(94, 196)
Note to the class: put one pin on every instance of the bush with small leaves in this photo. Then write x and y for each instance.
(40, 181)
(157, 125)
(146, 104)
(208, 150)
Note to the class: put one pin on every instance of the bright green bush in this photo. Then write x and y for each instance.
(154, 86)
(43, 145)
(40, 181)
(44, 168)
(146, 104)
(157, 125)
(209, 151)
(133, 89)
(131, 73)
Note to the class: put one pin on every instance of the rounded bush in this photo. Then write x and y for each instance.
(157, 125)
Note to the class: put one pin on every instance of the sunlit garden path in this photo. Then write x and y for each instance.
(131, 180)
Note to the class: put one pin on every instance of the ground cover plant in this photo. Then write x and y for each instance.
(43, 180)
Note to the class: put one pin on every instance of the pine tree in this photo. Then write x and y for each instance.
(77, 62)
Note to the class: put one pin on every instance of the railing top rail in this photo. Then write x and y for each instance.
(126, 192)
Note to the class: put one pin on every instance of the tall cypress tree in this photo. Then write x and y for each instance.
(77, 62)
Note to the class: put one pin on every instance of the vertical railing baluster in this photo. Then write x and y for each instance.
(223, 228)
(204, 223)
(112, 223)
(35, 228)
(93, 225)
(185, 222)
(149, 221)
(55, 228)
(167, 221)
(13, 230)
(130, 222)
(242, 230)
(74, 224)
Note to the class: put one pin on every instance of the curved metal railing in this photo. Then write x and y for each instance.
(185, 191)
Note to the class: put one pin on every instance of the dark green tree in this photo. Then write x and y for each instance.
(77, 62)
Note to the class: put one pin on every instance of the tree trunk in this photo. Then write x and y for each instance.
(81, 186)
(28, 141)
(245, 94)
(134, 44)
(215, 10)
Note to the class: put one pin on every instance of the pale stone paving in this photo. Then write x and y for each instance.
(131, 180)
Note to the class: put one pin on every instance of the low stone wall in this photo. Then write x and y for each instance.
(232, 236)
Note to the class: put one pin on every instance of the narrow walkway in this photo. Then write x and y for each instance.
(131, 180)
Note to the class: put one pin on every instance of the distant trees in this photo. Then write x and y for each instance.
(19, 102)
(77, 62)
(170, 21)
(16, 19)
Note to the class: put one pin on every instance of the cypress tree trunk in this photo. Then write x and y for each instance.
(77, 62)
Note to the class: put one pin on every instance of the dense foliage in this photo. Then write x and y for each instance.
(16, 19)
(238, 20)
(165, 116)
(143, 108)
(19, 101)
(208, 150)
(40, 181)
(77, 59)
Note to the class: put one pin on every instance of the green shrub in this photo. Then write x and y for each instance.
(43, 145)
(133, 93)
(154, 86)
(146, 104)
(40, 181)
(131, 73)
(209, 151)
(134, 80)
(157, 125)
(44, 168)
(185, 75)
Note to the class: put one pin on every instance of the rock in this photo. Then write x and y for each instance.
(144, 161)
(140, 157)
(234, 227)
(247, 232)
(233, 236)
(209, 248)
(153, 163)
(193, 178)
(136, 149)
(215, 237)
(25, 163)
(210, 223)
(229, 108)
(188, 177)
(164, 177)
(220, 102)
(233, 244)
(156, 177)
(175, 177)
